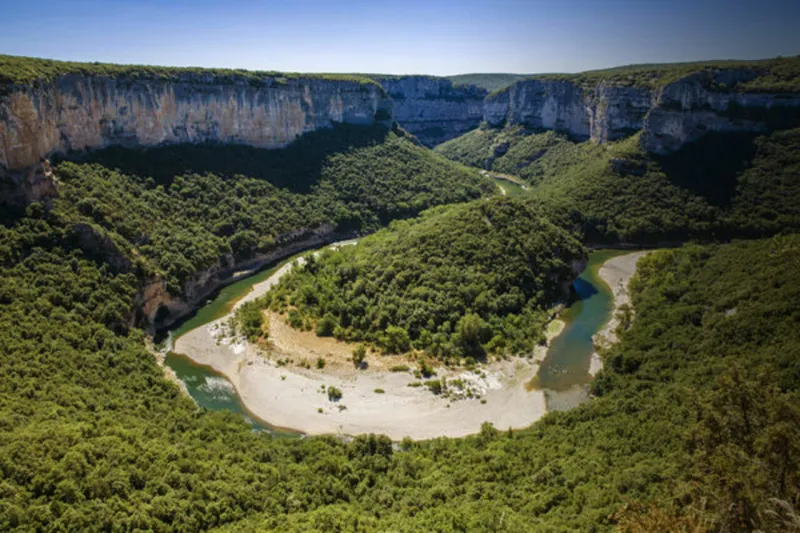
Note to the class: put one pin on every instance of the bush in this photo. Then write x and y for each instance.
(334, 394)
(326, 326)
(359, 354)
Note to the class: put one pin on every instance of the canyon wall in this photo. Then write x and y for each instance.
(670, 116)
(78, 112)
(433, 109)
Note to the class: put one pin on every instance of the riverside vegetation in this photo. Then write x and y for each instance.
(720, 187)
(456, 282)
(695, 422)
(163, 218)
(696, 418)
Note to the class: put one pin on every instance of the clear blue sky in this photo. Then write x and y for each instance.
(400, 36)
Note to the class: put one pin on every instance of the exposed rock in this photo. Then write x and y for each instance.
(434, 109)
(540, 104)
(77, 112)
(697, 104)
(670, 117)
(617, 112)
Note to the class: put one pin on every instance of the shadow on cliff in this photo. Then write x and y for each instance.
(297, 167)
(711, 166)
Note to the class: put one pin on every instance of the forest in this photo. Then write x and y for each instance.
(695, 422)
(177, 210)
(457, 282)
(722, 187)
(693, 425)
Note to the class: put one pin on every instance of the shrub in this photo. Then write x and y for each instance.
(334, 394)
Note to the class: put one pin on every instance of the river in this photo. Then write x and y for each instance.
(563, 375)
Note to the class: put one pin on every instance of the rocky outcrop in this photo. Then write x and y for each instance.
(541, 104)
(78, 112)
(670, 116)
(433, 109)
(694, 106)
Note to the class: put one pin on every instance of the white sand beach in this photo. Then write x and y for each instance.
(292, 396)
(616, 273)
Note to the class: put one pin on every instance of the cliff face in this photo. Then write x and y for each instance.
(434, 109)
(548, 105)
(688, 109)
(670, 116)
(77, 112)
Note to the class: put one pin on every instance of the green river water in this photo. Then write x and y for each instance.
(564, 369)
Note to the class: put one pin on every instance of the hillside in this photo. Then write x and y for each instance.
(780, 74)
(619, 193)
(490, 82)
(464, 281)
(93, 437)
(185, 217)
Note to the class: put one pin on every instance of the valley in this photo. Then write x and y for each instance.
(557, 302)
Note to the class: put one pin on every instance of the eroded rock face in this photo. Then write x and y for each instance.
(670, 117)
(689, 108)
(541, 104)
(434, 109)
(77, 112)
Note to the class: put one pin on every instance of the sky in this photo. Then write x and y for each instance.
(400, 36)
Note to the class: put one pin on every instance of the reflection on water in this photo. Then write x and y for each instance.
(564, 373)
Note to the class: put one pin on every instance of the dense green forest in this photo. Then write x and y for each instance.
(720, 187)
(695, 422)
(177, 210)
(457, 282)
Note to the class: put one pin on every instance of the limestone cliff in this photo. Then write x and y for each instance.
(433, 108)
(686, 110)
(670, 116)
(77, 112)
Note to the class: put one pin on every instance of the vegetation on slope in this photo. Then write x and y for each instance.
(168, 219)
(25, 70)
(460, 281)
(721, 186)
(698, 403)
(780, 74)
(489, 81)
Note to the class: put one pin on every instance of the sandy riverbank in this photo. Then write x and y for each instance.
(291, 396)
(616, 273)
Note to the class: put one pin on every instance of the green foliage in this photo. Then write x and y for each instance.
(447, 283)
(721, 186)
(334, 394)
(780, 74)
(359, 354)
(25, 70)
(490, 82)
(175, 225)
(92, 437)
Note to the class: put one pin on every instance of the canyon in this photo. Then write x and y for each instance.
(77, 112)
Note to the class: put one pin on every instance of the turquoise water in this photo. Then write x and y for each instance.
(565, 366)
(209, 389)
(567, 362)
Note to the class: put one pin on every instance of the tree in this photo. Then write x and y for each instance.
(359, 354)
(396, 340)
